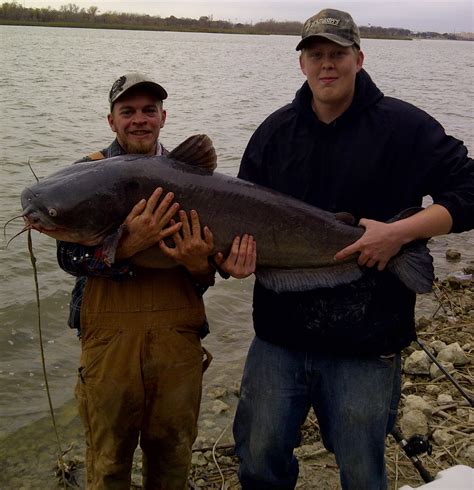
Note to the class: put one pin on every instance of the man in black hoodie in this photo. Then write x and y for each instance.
(342, 145)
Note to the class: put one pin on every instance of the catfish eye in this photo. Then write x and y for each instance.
(52, 212)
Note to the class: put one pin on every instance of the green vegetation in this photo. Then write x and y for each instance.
(71, 15)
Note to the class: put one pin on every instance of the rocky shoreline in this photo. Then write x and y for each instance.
(431, 406)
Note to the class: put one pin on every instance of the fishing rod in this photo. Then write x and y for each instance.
(445, 372)
(63, 470)
(415, 446)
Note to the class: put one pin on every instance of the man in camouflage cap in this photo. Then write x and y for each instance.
(342, 145)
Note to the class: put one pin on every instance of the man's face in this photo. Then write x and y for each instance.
(331, 71)
(137, 119)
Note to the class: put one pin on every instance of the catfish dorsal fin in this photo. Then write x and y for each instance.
(197, 151)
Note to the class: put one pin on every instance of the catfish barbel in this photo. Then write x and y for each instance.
(86, 203)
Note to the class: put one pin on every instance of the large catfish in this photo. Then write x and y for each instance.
(87, 203)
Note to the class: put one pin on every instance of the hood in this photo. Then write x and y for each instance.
(366, 95)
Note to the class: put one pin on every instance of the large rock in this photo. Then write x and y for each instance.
(453, 353)
(413, 422)
(417, 363)
(442, 437)
(435, 371)
(219, 407)
(198, 459)
(444, 399)
(217, 392)
(415, 402)
(437, 345)
(432, 389)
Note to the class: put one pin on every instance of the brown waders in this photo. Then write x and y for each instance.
(140, 377)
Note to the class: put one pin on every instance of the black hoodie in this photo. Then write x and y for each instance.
(380, 157)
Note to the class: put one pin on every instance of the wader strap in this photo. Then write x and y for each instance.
(97, 155)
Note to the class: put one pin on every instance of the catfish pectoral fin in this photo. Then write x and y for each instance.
(110, 244)
(287, 280)
(414, 267)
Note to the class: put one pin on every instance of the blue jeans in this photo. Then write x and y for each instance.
(355, 401)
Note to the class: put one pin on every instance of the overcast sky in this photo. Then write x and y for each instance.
(416, 15)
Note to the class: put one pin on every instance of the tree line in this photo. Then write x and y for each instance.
(72, 15)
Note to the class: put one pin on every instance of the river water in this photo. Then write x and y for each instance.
(53, 106)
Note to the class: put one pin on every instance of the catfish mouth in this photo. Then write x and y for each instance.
(36, 221)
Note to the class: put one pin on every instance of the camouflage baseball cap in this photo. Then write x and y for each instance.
(129, 80)
(335, 25)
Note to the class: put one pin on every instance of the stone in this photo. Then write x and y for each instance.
(219, 407)
(423, 322)
(453, 353)
(469, 269)
(437, 345)
(208, 424)
(435, 371)
(198, 459)
(217, 392)
(235, 388)
(444, 399)
(468, 454)
(200, 442)
(433, 389)
(413, 422)
(406, 385)
(452, 254)
(462, 413)
(459, 278)
(226, 460)
(442, 437)
(417, 363)
(415, 402)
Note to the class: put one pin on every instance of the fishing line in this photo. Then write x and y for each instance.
(32, 171)
(215, 458)
(60, 460)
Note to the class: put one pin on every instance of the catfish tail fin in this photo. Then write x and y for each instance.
(414, 267)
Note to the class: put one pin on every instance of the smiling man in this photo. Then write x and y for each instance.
(141, 366)
(343, 146)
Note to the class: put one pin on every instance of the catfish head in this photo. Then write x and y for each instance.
(84, 213)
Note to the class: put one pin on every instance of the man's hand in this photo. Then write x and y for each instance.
(381, 241)
(147, 224)
(192, 248)
(376, 246)
(242, 259)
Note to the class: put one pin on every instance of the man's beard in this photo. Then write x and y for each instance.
(141, 147)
